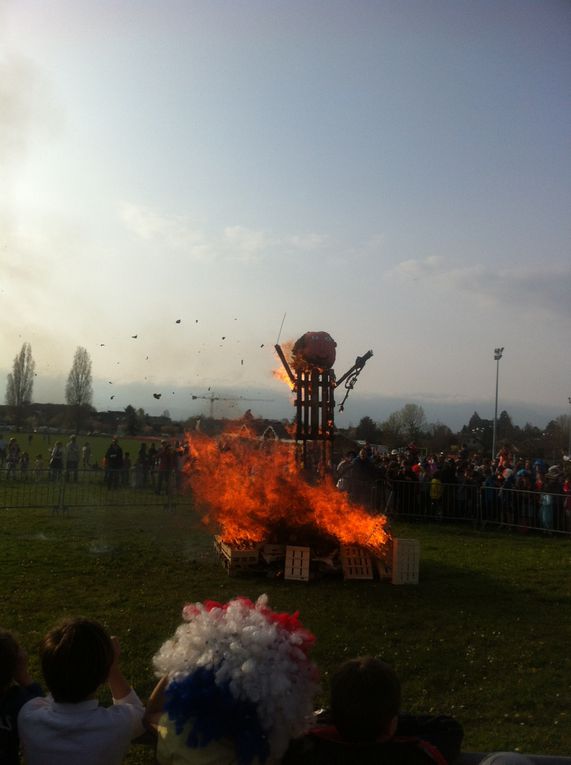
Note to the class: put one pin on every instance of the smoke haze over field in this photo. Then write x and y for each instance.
(275, 402)
(397, 175)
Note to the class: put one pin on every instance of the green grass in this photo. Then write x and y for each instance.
(485, 635)
(42, 443)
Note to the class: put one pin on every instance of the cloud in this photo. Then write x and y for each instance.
(232, 243)
(244, 243)
(308, 241)
(173, 231)
(544, 288)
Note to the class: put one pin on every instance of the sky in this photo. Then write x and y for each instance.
(397, 174)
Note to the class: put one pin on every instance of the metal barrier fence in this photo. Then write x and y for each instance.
(59, 489)
(479, 505)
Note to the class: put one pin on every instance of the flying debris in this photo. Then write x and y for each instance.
(242, 362)
(112, 397)
(262, 345)
(196, 321)
(224, 337)
(110, 383)
(157, 395)
(101, 345)
(178, 321)
(146, 358)
(134, 337)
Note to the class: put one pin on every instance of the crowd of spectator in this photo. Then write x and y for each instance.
(236, 686)
(158, 466)
(509, 489)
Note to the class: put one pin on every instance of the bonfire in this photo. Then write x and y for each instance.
(254, 493)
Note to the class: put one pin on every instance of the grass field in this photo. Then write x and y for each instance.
(42, 443)
(485, 635)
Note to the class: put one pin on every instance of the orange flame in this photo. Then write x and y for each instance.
(248, 489)
(279, 372)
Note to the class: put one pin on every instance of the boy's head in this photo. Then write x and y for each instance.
(76, 658)
(365, 699)
(9, 653)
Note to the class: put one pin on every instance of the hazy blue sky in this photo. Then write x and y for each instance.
(395, 173)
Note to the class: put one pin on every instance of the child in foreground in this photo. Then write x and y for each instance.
(69, 727)
(237, 685)
(367, 727)
(16, 688)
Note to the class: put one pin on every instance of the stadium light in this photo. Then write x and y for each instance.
(497, 356)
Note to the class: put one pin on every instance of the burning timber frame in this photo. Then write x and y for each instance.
(315, 406)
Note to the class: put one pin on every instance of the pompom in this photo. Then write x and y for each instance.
(239, 671)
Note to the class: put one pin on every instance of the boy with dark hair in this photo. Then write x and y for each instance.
(16, 688)
(70, 727)
(367, 727)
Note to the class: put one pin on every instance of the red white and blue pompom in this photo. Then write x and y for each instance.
(239, 671)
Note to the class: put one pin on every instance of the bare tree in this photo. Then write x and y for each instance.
(413, 421)
(79, 386)
(20, 383)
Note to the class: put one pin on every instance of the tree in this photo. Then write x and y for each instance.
(20, 383)
(413, 421)
(132, 421)
(392, 429)
(79, 386)
(440, 437)
(368, 430)
(505, 429)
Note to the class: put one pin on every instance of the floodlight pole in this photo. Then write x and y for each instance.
(497, 356)
(569, 449)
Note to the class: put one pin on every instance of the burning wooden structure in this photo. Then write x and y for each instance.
(310, 372)
(398, 564)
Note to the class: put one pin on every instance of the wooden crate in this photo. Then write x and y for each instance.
(236, 559)
(406, 560)
(271, 552)
(297, 563)
(356, 562)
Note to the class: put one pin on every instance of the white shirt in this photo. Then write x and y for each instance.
(53, 733)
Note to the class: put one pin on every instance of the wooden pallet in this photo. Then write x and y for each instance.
(356, 562)
(236, 559)
(406, 560)
(297, 561)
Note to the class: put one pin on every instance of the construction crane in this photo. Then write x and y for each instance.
(213, 398)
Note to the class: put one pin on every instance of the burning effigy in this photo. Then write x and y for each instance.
(256, 498)
(273, 509)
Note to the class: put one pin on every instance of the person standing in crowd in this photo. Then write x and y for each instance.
(141, 467)
(2, 451)
(56, 461)
(12, 458)
(71, 459)
(165, 463)
(113, 464)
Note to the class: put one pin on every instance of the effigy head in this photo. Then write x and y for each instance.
(314, 349)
